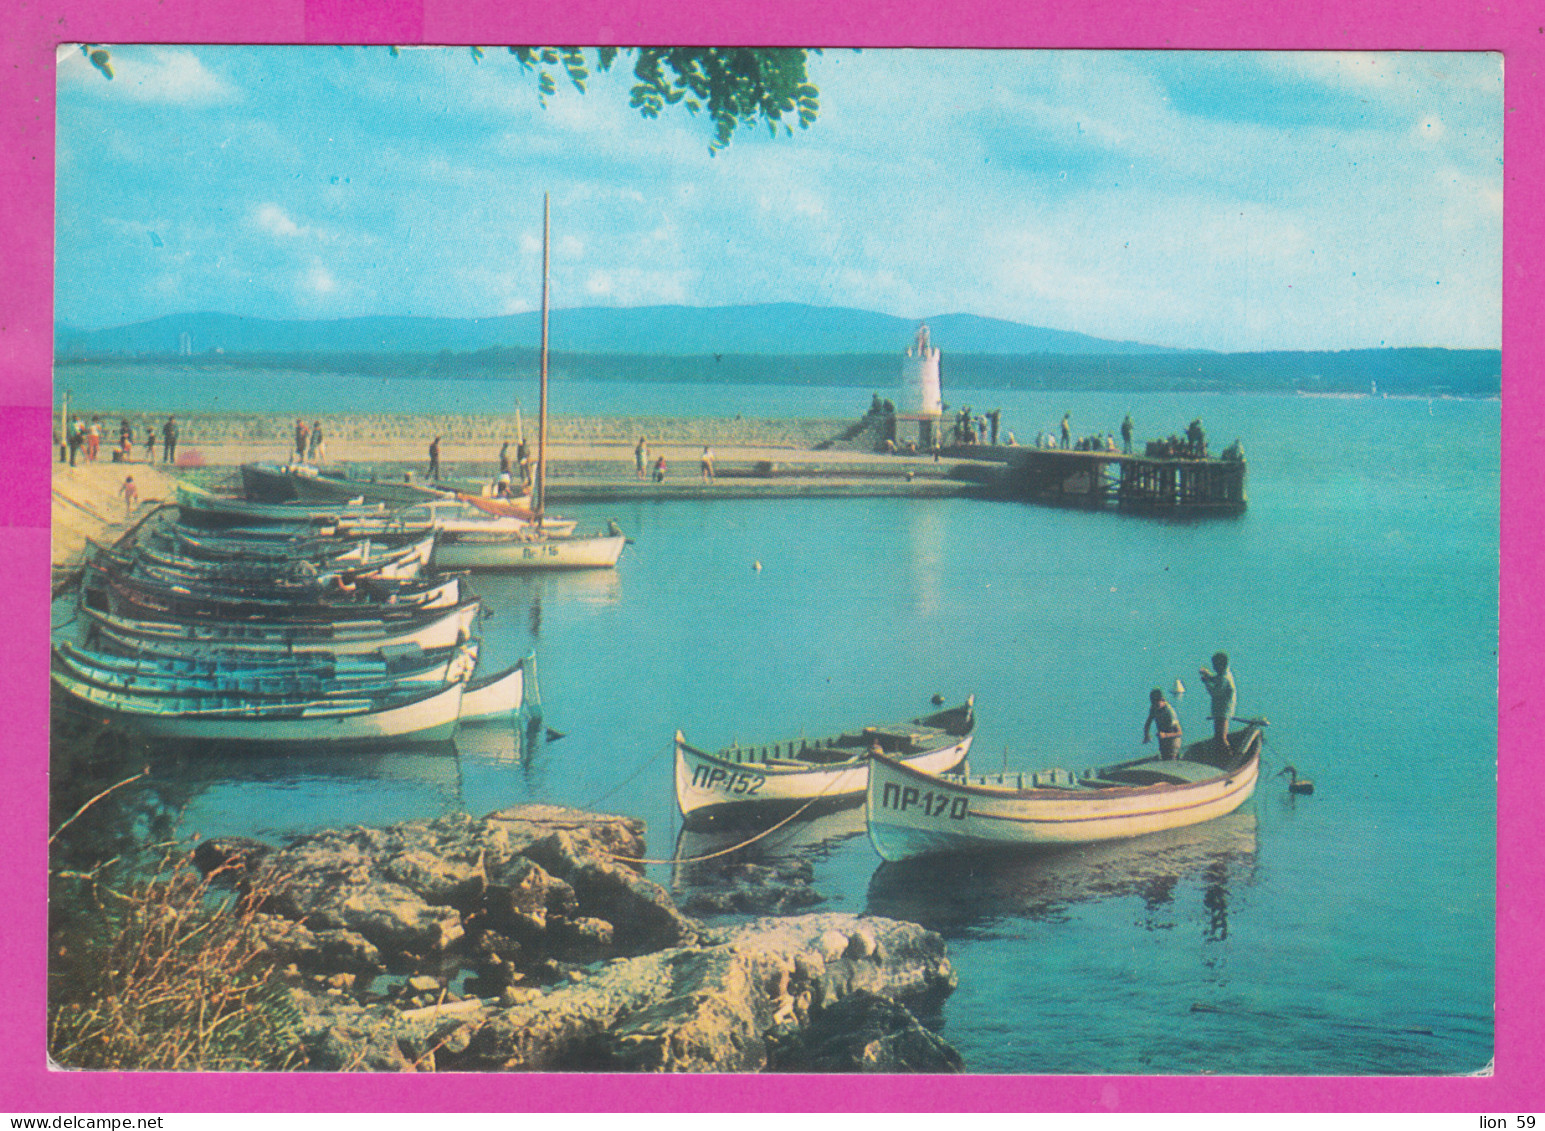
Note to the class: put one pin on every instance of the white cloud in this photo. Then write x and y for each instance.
(319, 281)
(274, 220)
(167, 75)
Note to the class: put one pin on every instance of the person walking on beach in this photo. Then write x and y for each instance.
(150, 444)
(705, 464)
(314, 450)
(75, 435)
(1067, 431)
(169, 440)
(641, 455)
(130, 495)
(659, 470)
(1126, 434)
(523, 462)
(434, 460)
(1220, 685)
(1162, 717)
(302, 434)
(93, 439)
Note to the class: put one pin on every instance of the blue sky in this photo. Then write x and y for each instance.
(1230, 201)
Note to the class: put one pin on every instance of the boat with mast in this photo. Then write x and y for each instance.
(544, 543)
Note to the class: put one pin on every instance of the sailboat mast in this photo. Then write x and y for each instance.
(540, 501)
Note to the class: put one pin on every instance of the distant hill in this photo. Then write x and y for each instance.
(772, 329)
(782, 343)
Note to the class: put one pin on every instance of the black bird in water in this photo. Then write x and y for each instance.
(1295, 783)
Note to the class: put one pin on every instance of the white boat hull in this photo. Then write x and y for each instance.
(910, 814)
(499, 696)
(520, 553)
(286, 677)
(342, 638)
(767, 780)
(432, 717)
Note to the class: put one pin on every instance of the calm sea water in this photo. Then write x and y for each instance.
(1349, 932)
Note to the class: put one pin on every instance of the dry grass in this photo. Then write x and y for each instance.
(167, 975)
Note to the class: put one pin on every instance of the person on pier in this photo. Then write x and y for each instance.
(1163, 719)
(659, 470)
(1126, 434)
(1067, 430)
(641, 455)
(1220, 685)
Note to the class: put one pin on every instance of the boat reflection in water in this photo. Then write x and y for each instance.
(708, 860)
(227, 789)
(971, 894)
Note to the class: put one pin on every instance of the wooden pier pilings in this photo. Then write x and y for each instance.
(1175, 485)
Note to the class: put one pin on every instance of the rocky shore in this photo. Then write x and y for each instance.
(527, 940)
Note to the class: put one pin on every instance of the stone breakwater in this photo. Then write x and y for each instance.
(415, 431)
(523, 941)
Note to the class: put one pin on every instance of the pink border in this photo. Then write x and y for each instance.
(26, 167)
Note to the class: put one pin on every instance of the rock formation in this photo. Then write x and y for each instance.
(525, 940)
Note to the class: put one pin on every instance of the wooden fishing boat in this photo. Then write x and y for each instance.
(423, 716)
(432, 628)
(497, 696)
(272, 483)
(209, 546)
(540, 547)
(911, 813)
(280, 677)
(755, 782)
(356, 559)
(260, 575)
(533, 548)
(139, 596)
(205, 508)
(471, 519)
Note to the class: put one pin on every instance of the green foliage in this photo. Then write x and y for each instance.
(735, 86)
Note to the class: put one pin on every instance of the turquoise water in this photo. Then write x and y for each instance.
(1348, 932)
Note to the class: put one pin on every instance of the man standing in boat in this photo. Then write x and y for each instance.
(1220, 685)
(1162, 717)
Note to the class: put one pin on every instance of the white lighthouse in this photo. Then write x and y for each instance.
(920, 378)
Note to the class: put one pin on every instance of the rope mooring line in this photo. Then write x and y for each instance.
(732, 848)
